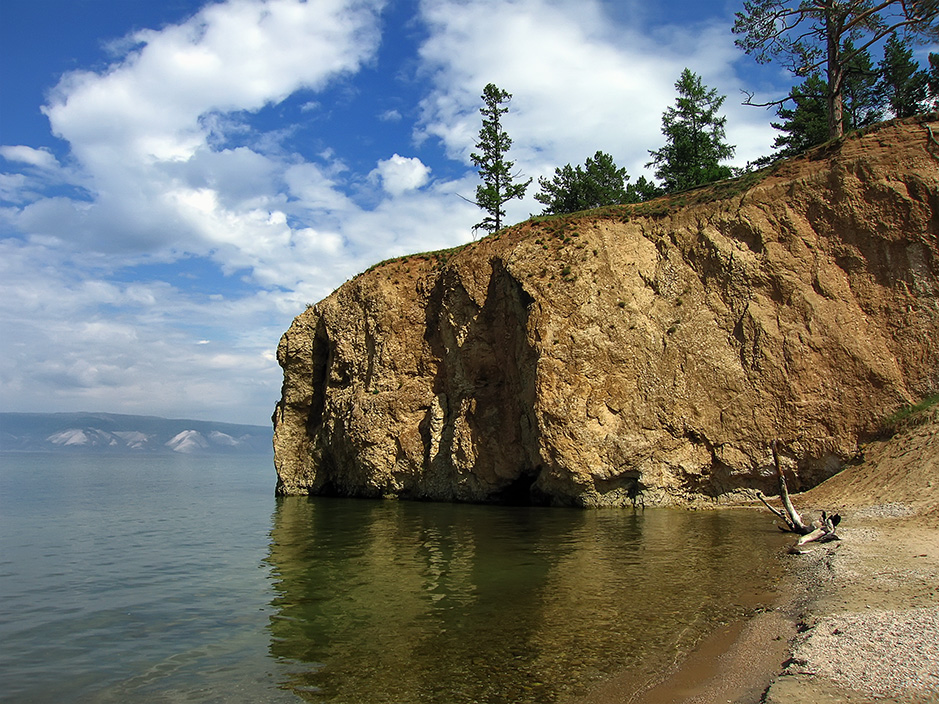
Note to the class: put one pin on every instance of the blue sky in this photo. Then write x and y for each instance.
(179, 178)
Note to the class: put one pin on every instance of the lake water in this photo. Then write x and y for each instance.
(170, 579)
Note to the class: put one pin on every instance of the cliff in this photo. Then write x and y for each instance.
(576, 360)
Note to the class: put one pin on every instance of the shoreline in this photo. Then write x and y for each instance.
(859, 618)
(855, 621)
(736, 662)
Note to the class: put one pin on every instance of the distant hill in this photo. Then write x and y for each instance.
(112, 433)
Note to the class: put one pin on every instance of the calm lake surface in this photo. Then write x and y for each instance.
(168, 579)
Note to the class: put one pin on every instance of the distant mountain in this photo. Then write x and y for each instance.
(114, 433)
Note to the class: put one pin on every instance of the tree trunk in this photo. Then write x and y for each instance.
(822, 530)
(835, 78)
(835, 114)
(792, 516)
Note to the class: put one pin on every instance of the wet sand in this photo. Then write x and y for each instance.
(735, 663)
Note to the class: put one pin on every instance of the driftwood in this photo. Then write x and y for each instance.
(822, 530)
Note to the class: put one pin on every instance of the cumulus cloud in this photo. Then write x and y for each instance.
(165, 166)
(148, 139)
(40, 158)
(580, 81)
(143, 130)
(399, 174)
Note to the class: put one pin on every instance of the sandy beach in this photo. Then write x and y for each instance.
(856, 620)
(870, 627)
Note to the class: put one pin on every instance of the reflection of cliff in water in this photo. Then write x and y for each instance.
(406, 602)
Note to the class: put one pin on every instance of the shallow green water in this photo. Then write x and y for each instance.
(183, 579)
(396, 602)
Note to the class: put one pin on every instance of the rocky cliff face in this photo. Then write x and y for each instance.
(575, 360)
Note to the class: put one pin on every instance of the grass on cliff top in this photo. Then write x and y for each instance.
(728, 188)
(564, 226)
(908, 417)
(667, 204)
(440, 257)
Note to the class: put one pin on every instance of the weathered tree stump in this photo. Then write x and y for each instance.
(822, 530)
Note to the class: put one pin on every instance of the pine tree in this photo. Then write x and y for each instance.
(933, 80)
(862, 100)
(805, 124)
(809, 36)
(642, 189)
(599, 182)
(498, 184)
(694, 138)
(903, 85)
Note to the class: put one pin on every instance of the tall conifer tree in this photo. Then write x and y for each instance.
(694, 135)
(805, 124)
(809, 36)
(904, 86)
(498, 184)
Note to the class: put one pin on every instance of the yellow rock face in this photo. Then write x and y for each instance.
(660, 346)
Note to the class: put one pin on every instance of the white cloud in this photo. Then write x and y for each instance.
(40, 158)
(142, 131)
(145, 136)
(38, 170)
(316, 189)
(399, 174)
(154, 156)
(580, 82)
(230, 56)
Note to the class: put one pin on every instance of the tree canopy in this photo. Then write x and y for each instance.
(932, 80)
(862, 96)
(904, 86)
(599, 182)
(499, 185)
(805, 124)
(810, 36)
(694, 135)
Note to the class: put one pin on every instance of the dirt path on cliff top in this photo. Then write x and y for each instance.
(859, 619)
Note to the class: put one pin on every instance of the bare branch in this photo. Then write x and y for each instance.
(778, 513)
(749, 101)
(794, 516)
(862, 17)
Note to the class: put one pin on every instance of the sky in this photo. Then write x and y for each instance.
(180, 178)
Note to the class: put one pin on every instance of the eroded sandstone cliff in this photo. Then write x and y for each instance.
(662, 346)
